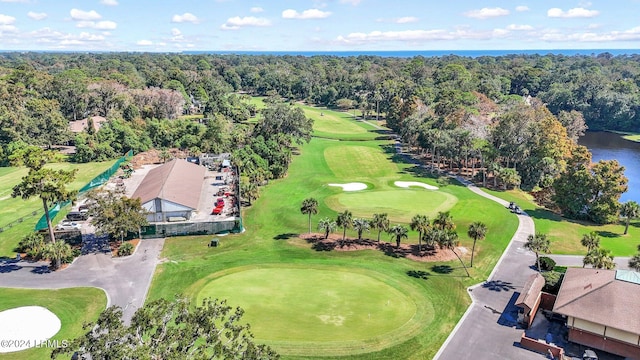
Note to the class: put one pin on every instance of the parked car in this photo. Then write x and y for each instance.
(78, 215)
(68, 225)
(589, 355)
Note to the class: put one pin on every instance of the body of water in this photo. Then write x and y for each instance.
(426, 53)
(609, 146)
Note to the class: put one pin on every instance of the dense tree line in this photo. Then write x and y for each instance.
(514, 120)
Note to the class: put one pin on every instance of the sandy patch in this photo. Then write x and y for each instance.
(354, 186)
(406, 184)
(25, 326)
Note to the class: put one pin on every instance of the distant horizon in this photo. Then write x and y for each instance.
(347, 53)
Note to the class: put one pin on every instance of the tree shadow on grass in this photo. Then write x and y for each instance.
(285, 236)
(607, 234)
(498, 285)
(442, 269)
(419, 274)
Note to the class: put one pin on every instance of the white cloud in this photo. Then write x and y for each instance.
(306, 14)
(37, 16)
(352, 2)
(81, 15)
(256, 9)
(486, 13)
(522, 8)
(176, 35)
(407, 35)
(519, 27)
(100, 25)
(406, 20)
(6, 19)
(572, 13)
(626, 35)
(238, 22)
(186, 17)
(109, 2)
(144, 42)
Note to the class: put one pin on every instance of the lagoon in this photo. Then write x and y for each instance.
(610, 146)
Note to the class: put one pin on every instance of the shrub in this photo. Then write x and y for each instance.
(552, 281)
(547, 263)
(125, 249)
(69, 259)
(32, 244)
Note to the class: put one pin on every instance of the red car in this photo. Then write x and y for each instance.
(217, 210)
(220, 202)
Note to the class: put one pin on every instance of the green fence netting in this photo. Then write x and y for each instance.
(95, 182)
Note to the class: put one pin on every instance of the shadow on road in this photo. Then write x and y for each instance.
(509, 315)
(43, 269)
(498, 285)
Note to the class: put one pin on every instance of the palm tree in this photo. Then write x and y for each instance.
(309, 207)
(634, 262)
(421, 224)
(344, 221)
(431, 236)
(380, 222)
(327, 226)
(399, 232)
(538, 243)
(56, 251)
(630, 210)
(360, 225)
(599, 258)
(590, 241)
(444, 221)
(447, 239)
(477, 231)
(249, 190)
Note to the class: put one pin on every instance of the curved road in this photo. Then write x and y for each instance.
(125, 281)
(488, 328)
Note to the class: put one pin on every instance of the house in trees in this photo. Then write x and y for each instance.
(82, 125)
(602, 309)
(529, 299)
(171, 191)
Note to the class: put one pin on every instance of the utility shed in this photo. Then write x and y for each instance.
(529, 299)
(171, 190)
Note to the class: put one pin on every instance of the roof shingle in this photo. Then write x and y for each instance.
(595, 295)
(178, 181)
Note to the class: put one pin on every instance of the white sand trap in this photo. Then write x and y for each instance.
(25, 326)
(354, 186)
(406, 184)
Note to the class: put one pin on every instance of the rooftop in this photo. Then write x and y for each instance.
(597, 295)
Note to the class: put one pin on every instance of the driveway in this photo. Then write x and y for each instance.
(125, 281)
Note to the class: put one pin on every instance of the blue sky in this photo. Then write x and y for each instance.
(317, 25)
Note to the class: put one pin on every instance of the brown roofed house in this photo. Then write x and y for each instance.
(529, 299)
(602, 310)
(171, 191)
(82, 125)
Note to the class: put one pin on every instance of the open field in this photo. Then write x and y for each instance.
(565, 234)
(73, 306)
(13, 208)
(270, 250)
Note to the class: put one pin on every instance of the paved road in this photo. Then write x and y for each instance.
(576, 260)
(126, 281)
(488, 328)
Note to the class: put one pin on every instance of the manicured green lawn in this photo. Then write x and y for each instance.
(270, 242)
(73, 306)
(565, 234)
(331, 314)
(12, 209)
(338, 125)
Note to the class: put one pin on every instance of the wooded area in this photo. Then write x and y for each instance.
(512, 119)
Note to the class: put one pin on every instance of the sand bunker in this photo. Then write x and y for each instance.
(25, 326)
(406, 184)
(354, 186)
